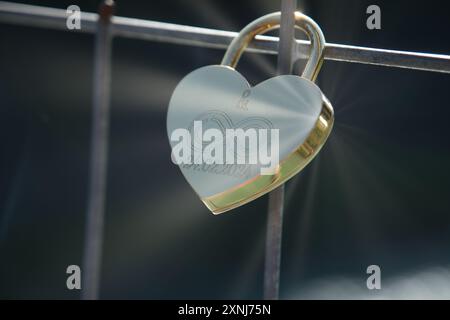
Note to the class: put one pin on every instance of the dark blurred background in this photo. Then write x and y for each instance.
(378, 193)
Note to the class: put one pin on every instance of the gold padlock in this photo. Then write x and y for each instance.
(283, 102)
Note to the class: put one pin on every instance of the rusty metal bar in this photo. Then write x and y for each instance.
(99, 155)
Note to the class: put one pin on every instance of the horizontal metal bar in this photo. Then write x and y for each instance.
(172, 33)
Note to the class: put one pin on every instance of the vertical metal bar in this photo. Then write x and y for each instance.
(276, 197)
(99, 153)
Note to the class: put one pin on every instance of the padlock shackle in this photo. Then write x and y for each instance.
(272, 21)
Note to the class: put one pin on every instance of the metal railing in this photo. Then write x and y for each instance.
(106, 26)
(211, 38)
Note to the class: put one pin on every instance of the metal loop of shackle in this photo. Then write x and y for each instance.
(272, 21)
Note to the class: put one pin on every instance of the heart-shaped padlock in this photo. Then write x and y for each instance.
(219, 98)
